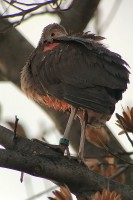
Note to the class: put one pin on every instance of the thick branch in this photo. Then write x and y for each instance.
(15, 50)
(78, 16)
(38, 160)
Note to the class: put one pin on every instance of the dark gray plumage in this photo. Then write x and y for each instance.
(75, 70)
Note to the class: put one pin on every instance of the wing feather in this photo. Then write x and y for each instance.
(81, 72)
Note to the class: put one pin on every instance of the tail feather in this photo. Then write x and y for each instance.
(96, 99)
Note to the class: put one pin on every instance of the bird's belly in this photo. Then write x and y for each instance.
(94, 119)
(55, 103)
(29, 87)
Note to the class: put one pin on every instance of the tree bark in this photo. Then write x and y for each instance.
(39, 160)
(79, 14)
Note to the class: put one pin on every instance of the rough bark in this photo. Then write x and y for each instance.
(79, 14)
(14, 51)
(38, 160)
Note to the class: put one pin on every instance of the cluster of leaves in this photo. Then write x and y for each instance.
(108, 168)
(65, 194)
(125, 122)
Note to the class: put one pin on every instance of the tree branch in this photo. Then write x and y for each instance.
(38, 160)
(78, 16)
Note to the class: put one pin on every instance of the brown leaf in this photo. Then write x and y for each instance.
(125, 122)
(106, 195)
(63, 194)
(94, 165)
(112, 168)
(97, 136)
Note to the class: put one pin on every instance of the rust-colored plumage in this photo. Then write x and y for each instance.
(66, 71)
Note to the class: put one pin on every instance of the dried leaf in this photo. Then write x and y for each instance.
(94, 165)
(97, 136)
(106, 195)
(125, 122)
(63, 194)
(112, 168)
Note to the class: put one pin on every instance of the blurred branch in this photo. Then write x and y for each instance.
(79, 15)
(110, 17)
(104, 26)
(38, 160)
(42, 193)
(120, 171)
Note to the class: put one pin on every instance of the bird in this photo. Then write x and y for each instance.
(76, 73)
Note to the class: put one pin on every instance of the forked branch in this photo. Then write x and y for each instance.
(39, 160)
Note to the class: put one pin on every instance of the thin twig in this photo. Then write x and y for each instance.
(28, 4)
(15, 127)
(36, 14)
(42, 193)
(111, 16)
(114, 154)
(13, 5)
(24, 12)
(120, 171)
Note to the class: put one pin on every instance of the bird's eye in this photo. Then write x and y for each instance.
(52, 34)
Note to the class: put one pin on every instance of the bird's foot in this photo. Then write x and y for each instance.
(61, 148)
(65, 143)
(80, 157)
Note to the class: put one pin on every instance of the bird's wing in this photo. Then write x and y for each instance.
(93, 64)
(79, 71)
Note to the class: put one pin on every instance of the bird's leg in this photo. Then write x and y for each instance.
(83, 122)
(55, 147)
(65, 140)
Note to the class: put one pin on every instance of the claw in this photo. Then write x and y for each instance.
(58, 148)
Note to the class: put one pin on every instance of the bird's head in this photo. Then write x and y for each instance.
(52, 31)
